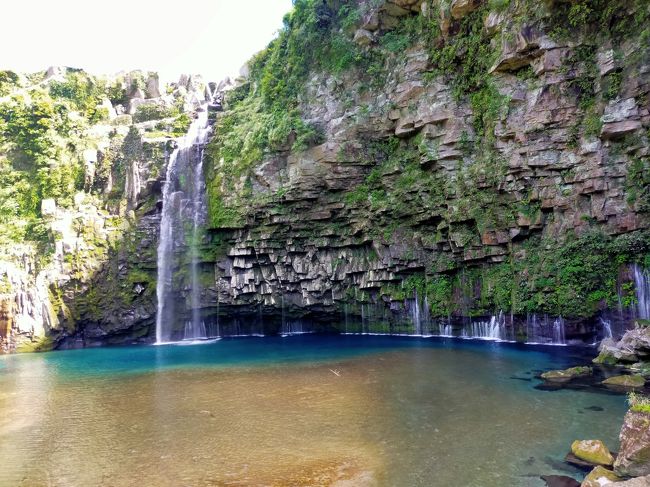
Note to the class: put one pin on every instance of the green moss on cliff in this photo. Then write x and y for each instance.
(575, 279)
(479, 222)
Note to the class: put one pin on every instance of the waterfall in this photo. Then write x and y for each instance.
(183, 201)
(415, 315)
(445, 330)
(545, 331)
(426, 317)
(607, 328)
(294, 327)
(642, 287)
(195, 330)
(495, 329)
(559, 337)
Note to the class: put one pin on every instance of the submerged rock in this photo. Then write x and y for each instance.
(560, 481)
(599, 477)
(625, 382)
(592, 451)
(567, 374)
(634, 456)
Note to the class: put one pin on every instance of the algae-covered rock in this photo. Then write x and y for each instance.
(600, 477)
(632, 347)
(625, 381)
(634, 456)
(567, 374)
(592, 451)
(605, 358)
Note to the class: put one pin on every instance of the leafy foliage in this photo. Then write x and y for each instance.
(575, 278)
(147, 112)
(639, 403)
(82, 91)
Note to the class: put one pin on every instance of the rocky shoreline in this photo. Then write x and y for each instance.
(621, 367)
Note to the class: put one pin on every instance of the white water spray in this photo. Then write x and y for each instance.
(642, 286)
(182, 202)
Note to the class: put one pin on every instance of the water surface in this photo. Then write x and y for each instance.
(310, 410)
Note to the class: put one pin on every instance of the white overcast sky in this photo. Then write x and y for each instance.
(209, 37)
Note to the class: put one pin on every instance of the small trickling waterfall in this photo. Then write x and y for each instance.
(545, 331)
(607, 328)
(495, 329)
(420, 315)
(445, 330)
(642, 287)
(426, 317)
(294, 327)
(195, 330)
(559, 335)
(183, 201)
(416, 315)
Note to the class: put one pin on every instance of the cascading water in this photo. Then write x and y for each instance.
(445, 330)
(183, 201)
(559, 336)
(416, 315)
(642, 286)
(607, 328)
(544, 331)
(495, 329)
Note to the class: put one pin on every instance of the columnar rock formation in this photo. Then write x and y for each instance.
(413, 188)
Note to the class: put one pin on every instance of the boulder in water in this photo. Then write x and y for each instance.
(625, 382)
(600, 477)
(634, 456)
(634, 346)
(559, 481)
(567, 374)
(592, 451)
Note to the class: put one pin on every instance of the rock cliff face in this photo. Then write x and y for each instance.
(90, 279)
(487, 157)
(410, 166)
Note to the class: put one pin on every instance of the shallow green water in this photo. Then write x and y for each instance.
(309, 410)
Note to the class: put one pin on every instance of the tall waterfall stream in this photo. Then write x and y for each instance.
(183, 214)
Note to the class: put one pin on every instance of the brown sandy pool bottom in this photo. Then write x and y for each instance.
(417, 416)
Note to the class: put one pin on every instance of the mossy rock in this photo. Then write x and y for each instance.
(600, 476)
(625, 381)
(605, 358)
(592, 451)
(567, 374)
(633, 459)
(43, 344)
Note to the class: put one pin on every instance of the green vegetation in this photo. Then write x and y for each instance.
(8, 81)
(44, 131)
(638, 184)
(639, 403)
(598, 17)
(574, 278)
(263, 114)
(148, 111)
(83, 92)
(38, 160)
(464, 60)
